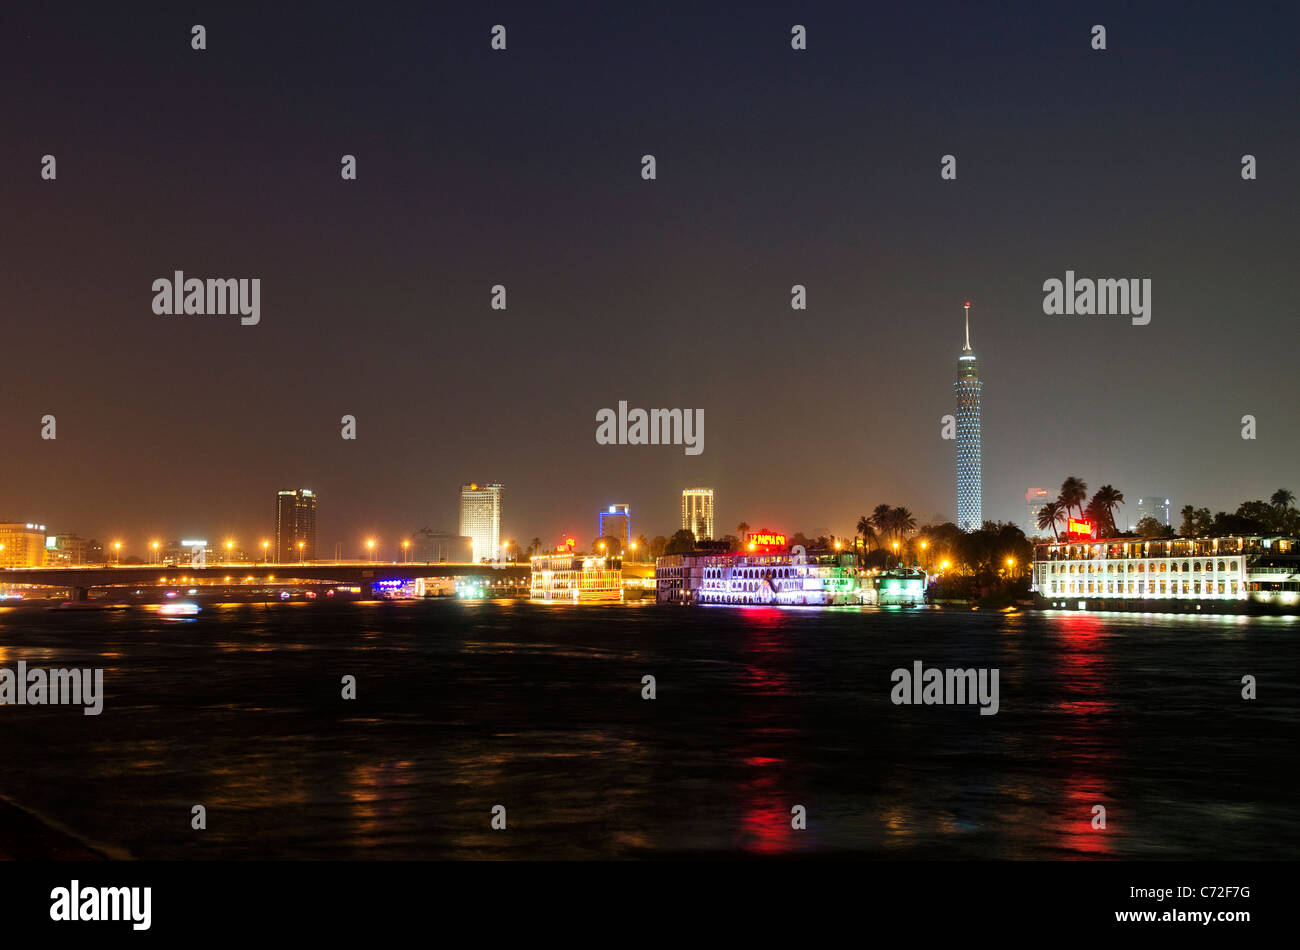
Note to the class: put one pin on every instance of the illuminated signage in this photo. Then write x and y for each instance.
(1075, 526)
(764, 539)
(390, 585)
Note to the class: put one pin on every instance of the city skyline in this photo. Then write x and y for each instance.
(185, 424)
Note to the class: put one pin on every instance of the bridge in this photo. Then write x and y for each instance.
(81, 580)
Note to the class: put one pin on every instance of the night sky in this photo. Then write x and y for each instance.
(522, 167)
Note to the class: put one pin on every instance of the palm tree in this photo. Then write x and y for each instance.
(1073, 494)
(742, 529)
(1283, 499)
(1049, 516)
(1096, 513)
(1110, 498)
(904, 522)
(868, 532)
(1188, 528)
(535, 547)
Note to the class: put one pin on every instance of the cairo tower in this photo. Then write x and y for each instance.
(967, 388)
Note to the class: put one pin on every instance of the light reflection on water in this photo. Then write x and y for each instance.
(464, 705)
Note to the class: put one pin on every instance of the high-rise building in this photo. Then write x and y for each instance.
(295, 523)
(697, 512)
(1035, 498)
(967, 388)
(615, 522)
(22, 544)
(1153, 506)
(480, 518)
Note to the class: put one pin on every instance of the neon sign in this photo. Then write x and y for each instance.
(1075, 526)
(764, 539)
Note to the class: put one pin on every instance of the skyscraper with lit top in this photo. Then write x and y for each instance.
(967, 388)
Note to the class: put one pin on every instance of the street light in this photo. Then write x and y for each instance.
(265, 556)
(117, 549)
(155, 552)
(370, 549)
(230, 545)
(301, 546)
(406, 550)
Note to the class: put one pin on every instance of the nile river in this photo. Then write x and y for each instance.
(461, 706)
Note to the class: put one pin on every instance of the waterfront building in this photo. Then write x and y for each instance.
(295, 523)
(1211, 574)
(71, 550)
(901, 587)
(615, 522)
(697, 512)
(968, 389)
(480, 518)
(22, 544)
(565, 577)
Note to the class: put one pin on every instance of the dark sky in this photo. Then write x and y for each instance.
(775, 167)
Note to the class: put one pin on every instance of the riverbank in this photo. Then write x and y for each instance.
(24, 837)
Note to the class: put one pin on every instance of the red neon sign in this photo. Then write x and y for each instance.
(765, 539)
(1075, 526)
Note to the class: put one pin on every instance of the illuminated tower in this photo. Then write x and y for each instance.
(967, 388)
(697, 512)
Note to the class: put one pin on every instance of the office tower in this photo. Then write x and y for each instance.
(967, 388)
(1035, 498)
(615, 522)
(697, 512)
(1153, 506)
(480, 518)
(295, 525)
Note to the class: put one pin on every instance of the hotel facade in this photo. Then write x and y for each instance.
(480, 518)
(697, 512)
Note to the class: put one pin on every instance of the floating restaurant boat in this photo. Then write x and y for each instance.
(766, 572)
(565, 577)
(1217, 575)
(901, 587)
